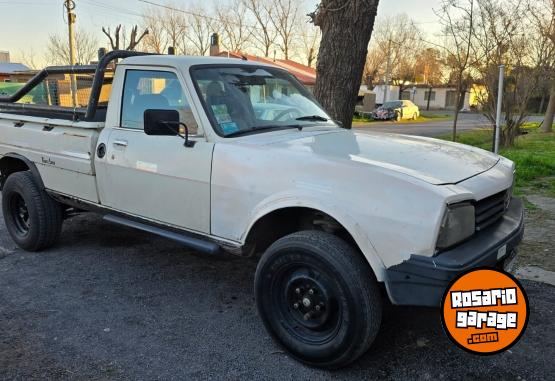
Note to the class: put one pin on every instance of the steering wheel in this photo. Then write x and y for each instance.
(293, 111)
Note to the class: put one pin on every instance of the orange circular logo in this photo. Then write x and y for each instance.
(485, 311)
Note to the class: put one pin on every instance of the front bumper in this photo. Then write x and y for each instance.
(383, 117)
(421, 281)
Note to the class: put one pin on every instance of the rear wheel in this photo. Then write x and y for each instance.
(318, 298)
(398, 116)
(414, 116)
(33, 219)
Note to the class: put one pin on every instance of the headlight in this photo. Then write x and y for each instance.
(457, 225)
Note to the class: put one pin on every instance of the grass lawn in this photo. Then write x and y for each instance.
(428, 115)
(359, 119)
(9, 88)
(533, 154)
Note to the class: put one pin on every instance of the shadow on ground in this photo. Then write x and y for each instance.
(111, 303)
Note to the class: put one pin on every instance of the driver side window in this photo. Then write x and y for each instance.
(149, 89)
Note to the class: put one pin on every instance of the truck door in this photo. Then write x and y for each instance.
(155, 177)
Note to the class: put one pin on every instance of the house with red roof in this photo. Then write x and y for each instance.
(7, 69)
(305, 74)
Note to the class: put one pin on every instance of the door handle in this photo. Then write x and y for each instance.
(121, 143)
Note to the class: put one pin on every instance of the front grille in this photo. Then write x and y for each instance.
(490, 209)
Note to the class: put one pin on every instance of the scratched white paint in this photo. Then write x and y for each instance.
(147, 167)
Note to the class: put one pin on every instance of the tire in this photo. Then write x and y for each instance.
(415, 116)
(33, 219)
(344, 288)
(398, 117)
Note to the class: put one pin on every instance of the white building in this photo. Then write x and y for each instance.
(4, 56)
(380, 91)
(441, 97)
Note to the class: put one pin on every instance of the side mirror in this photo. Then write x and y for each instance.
(161, 122)
(165, 123)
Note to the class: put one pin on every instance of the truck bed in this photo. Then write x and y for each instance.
(63, 151)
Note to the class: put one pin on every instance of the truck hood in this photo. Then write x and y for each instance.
(431, 160)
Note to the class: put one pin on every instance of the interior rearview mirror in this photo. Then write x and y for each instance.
(161, 122)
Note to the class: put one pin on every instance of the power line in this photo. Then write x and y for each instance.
(182, 11)
(218, 19)
(22, 3)
(109, 9)
(128, 12)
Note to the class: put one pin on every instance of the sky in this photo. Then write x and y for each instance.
(26, 24)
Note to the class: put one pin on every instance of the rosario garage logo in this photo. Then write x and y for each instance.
(485, 311)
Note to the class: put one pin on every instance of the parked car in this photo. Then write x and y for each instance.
(397, 110)
(237, 156)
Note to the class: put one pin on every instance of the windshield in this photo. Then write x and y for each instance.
(392, 104)
(245, 99)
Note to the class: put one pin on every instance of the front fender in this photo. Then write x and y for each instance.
(309, 200)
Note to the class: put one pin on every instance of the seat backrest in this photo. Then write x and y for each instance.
(133, 115)
(150, 101)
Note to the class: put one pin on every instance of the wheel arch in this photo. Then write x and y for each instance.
(14, 162)
(298, 217)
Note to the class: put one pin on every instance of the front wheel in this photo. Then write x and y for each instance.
(318, 298)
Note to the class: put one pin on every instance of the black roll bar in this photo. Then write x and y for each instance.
(41, 75)
(99, 70)
(99, 77)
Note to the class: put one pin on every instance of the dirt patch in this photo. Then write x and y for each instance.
(537, 247)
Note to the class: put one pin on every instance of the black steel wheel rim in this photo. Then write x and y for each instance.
(20, 214)
(307, 301)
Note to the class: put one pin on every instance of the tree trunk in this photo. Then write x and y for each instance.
(458, 105)
(547, 124)
(542, 103)
(346, 29)
(455, 120)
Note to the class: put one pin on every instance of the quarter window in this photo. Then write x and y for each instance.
(161, 90)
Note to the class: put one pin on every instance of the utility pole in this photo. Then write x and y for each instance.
(70, 6)
(499, 106)
(429, 97)
(387, 71)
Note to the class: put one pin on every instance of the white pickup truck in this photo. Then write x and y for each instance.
(229, 155)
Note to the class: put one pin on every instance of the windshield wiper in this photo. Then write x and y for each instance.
(254, 130)
(315, 118)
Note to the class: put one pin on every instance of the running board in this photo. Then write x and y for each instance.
(185, 240)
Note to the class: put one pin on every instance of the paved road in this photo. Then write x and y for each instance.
(466, 122)
(112, 303)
